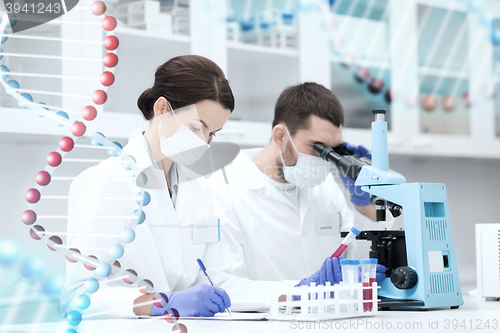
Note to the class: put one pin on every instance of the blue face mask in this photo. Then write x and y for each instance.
(308, 171)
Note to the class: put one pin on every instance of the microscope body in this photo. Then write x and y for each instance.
(429, 279)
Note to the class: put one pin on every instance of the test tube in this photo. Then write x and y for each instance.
(345, 242)
(344, 265)
(347, 278)
(368, 271)
(372, 278)
(354, 270)
(354, 278)
(365, 278)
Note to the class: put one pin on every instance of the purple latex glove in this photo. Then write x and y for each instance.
(201, 300)
(358, 197)
(360, 150)
(329, 271)
(380, 273)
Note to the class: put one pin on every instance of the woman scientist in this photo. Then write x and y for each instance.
(189, 102)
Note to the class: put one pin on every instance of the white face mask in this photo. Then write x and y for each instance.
(183, 147)
(308, 171)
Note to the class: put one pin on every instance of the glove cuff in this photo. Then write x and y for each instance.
(363, 200)
(160, 306)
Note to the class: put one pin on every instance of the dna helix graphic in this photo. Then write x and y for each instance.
(29, 283)
(89, 77)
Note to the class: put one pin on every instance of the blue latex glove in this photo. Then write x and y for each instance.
(358, 197)
(329, 271)
(358, 150)
(201, 300)
(380, 273)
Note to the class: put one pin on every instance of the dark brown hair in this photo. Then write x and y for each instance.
(187, 80)
(297, 103)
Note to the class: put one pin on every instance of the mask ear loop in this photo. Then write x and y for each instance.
(282, 160)
(291, 140)
(161, 123)
(171, 108)
(281, 154)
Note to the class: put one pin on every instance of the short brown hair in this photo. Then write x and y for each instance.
(187, 80)
(297, 103)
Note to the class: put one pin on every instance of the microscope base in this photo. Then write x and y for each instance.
(387, 304)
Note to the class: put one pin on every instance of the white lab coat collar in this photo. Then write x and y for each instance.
(251, 178)
(260, 179)
(174, 178)
(246, 176)
(137, 147)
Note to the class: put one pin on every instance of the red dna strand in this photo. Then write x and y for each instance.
(67, 83)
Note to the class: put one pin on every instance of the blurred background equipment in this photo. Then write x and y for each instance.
(488, 260)
(165, 17)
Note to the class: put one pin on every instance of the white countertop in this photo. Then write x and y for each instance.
(473, 315)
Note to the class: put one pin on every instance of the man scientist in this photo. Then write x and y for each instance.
(288, 210)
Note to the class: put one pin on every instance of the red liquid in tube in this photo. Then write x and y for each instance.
(339, 251)
(368, 295)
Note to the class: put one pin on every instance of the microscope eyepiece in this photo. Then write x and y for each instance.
(378, 111)
(379, 114)
(326, 153)
(348, 163)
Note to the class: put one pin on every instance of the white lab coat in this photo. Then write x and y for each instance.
(166, 246)
(274, 237)
(162, 251)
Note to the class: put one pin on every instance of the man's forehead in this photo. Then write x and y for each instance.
(329, 135)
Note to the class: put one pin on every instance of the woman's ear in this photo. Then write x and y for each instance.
(278, 135)
(161, 106)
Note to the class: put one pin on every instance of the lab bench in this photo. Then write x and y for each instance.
(475, 314)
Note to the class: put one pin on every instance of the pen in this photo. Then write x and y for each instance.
(205, 272)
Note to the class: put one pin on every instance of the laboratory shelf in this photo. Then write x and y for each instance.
(337, 59)
(427, 144)
(440, 72)
(259, 49)
(422, 70)
(21, 125)
(245, 133)
(258, 74)
(140, 53)
(175, 38)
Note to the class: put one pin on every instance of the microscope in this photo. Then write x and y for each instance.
(422, 270)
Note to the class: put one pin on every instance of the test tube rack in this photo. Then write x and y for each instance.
(318, 303)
